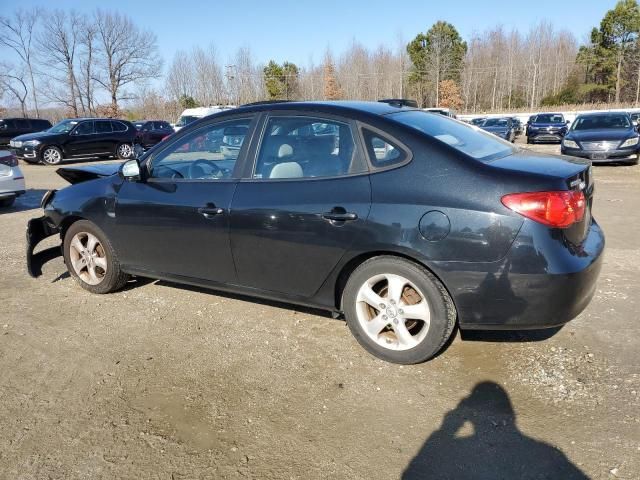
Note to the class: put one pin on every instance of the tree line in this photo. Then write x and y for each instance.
(97, 64)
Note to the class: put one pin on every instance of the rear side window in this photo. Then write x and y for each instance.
(465, 138)
(119, 127)
(103, 126)
(382, 151)
(23, 124)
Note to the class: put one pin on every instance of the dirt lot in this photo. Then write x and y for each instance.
(165, 382)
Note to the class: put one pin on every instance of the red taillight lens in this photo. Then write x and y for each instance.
(555, 209)
(9, 160)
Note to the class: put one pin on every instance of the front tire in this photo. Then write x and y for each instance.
(91, 260)
(398, 310)
(124, 151)
(52, 155)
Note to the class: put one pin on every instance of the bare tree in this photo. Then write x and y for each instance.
(13, 81)
(126, 54)
(17, 33)
(85, 79)
(58, 46)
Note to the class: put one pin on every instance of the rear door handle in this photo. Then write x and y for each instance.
(210, 211)
(340, 216)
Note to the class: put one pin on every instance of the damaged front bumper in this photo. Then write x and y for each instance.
(37, 230)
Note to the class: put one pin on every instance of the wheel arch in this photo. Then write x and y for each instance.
(355, 262)
(67, 222)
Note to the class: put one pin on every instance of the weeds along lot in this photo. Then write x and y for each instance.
(163, 381)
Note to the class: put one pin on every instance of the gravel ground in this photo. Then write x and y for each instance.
(161, 381)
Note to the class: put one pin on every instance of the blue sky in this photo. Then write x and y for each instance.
(300, 30)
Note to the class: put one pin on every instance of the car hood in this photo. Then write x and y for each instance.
(75, 175)
(495, 129)
(35, 136)
(601, 134)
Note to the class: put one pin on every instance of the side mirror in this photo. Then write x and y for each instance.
(568, 122)
(130, 170)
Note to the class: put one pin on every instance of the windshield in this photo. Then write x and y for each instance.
(496, 122)
(63, 127)
(186, 120)
(469, 140)
(549, 118)
(596, 122)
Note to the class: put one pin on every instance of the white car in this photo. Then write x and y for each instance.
(11, 179)
(193, 114)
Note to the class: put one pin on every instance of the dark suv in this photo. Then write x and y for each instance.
(151, 132)
(77, 137)
(12, 127)
(546, 127)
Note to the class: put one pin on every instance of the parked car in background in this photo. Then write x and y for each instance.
(192, 114)
(635, 118)
(151, 132)
(77, 137)
(11, 179)
(517, 125)
(546, 127)
(12, 127)
(447, 112)
(400, 102)
(359, 208)
(603, 137)
(478, 121)
(503, 127)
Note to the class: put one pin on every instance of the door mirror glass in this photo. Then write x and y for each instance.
(130, 170)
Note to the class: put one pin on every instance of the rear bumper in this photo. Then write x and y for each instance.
(543, 282)
(37, 230)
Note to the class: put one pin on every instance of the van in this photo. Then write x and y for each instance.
(193, 114)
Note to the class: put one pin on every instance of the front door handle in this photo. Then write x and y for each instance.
(210, 210)
(340, 216)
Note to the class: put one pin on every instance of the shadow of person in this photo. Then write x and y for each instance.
(479, 439)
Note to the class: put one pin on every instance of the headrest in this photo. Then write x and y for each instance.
(286, 170)
(285, 150)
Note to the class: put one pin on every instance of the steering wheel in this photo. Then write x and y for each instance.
(193, 173)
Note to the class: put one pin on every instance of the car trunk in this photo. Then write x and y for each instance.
(560, 172)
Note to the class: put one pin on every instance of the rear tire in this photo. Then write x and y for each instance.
(7, 202)
(398, 310)
(124, 151)
(91, 260)
(52, 156)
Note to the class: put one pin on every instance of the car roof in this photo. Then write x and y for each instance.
(601, 114)
(343, 106)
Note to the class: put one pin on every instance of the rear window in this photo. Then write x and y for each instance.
(465, 138)
(119, 127)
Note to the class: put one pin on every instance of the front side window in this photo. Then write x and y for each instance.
(467, 139)
(85, 128)
(306, 147)
(209, 153)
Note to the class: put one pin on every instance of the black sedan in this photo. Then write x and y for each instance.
(503, 127)
(406, 222)
(603, 137)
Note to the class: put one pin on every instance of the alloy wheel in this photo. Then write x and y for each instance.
(393, 311)
(51, 156)
(125, 150)
(88, 258)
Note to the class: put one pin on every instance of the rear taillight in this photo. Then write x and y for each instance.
(9, 160)
(555, 209)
